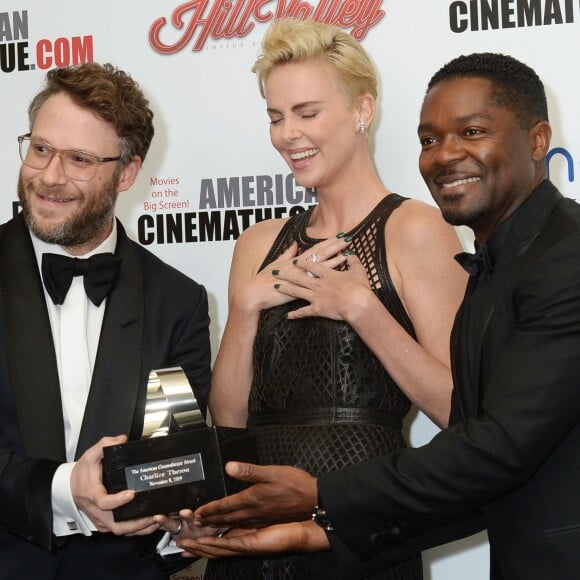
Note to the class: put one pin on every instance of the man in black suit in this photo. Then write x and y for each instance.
(64, 395)
(511, 451)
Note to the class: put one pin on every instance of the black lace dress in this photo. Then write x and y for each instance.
(320, 400)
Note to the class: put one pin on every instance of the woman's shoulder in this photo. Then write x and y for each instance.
(262, 231)
(416, 223)
(255, 242)
(412, 210)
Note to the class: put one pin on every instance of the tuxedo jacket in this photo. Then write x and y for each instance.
(155, 317)
(512, 451)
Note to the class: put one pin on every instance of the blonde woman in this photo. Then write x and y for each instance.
(339, 318)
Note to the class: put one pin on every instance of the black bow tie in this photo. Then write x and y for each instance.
(100, 274)
(477, 263)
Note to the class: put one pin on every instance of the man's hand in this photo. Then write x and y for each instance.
(279, 494)
(91, 497)
(183, 527)
(294, 537)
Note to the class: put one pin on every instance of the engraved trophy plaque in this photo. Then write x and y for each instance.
(179, 460)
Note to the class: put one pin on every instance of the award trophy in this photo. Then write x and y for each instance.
(179, 460)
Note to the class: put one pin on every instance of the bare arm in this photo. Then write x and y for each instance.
(248, 294)
(430, 284)
(251, 292)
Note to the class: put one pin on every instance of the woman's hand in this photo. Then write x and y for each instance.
(330, 293)
(263, 290)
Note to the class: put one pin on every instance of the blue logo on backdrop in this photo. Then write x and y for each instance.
(560, 151)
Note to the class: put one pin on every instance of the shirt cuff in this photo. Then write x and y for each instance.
(67, 519)
(167, 546)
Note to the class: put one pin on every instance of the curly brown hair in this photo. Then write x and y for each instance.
(109, 93)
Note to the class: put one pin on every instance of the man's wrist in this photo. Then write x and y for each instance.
(320, 517)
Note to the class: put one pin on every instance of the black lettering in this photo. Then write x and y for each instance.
(569, 8)
(145, 223)
(553, 14)
(474, 12)
(210, 226)
(160, 228)
(529, 12)
(263, 214)
(190, 227)
(22, 48)
(489, 14)
(15, 208)
(245, 214)
(231, 228)
(7, 57)
(174, 228)
(458, 17)
(507, 13)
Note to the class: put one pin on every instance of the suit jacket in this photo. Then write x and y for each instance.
(155, 317)
(512, 449)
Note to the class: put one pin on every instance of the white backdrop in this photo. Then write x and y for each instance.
(211, 170)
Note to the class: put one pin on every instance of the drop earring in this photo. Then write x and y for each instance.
(362, 128)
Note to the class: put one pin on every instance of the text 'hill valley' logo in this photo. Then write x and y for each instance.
(474, 15)
(18, 54)
(203, 19)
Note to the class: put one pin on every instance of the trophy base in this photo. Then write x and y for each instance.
(182, 470)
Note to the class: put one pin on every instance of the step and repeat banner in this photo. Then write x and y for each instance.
(211, 171)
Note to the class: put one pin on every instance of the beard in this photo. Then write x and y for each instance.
(86, 224)
(455, 215)
(458, 218)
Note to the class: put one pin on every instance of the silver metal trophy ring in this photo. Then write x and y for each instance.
(171, 404)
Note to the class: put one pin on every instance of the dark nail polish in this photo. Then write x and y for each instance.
(275, 272)
(348, 253)
(295, 261)
(340, 235)
(348, 239)
(276, 286)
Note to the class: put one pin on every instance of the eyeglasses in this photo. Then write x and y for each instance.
(77, 165)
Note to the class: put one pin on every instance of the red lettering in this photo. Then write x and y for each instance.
(229, 18)
(43, 61)
(63, 52)
(82, 49)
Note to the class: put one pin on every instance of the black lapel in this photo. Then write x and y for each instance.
(117, 373)
(29, 346)
(459, 359)
(523, 243)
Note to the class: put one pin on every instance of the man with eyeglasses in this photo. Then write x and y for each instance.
(85, 315)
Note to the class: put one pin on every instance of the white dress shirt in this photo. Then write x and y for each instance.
(74, 377)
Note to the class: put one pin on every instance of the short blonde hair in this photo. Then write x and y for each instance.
(289, 40)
